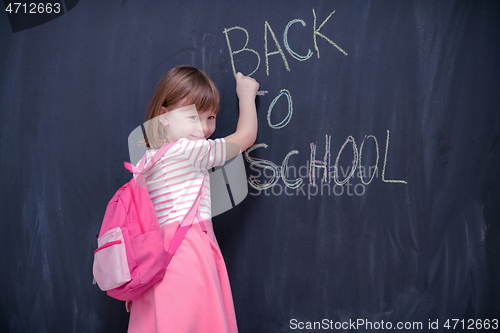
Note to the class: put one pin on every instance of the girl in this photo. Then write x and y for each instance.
(194, 295)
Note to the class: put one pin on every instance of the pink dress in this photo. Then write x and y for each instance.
(194, 295)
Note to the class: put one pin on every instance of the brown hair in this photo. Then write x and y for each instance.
(179, 83)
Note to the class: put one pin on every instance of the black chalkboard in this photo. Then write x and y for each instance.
(374, 183)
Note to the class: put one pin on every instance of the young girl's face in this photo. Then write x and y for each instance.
(186, 122)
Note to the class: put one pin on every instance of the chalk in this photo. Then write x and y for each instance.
(262, 92)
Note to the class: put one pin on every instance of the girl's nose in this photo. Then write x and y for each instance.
(204, 127)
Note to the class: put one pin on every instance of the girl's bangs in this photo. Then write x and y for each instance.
(204, 97)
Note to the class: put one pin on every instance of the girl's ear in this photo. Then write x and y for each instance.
(163, 116)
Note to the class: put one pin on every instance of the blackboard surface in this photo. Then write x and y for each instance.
(374, 183)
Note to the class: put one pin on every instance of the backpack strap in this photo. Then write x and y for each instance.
(159, 154)
(141, 167)
(186, 223)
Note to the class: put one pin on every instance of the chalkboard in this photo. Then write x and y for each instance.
(374, 183)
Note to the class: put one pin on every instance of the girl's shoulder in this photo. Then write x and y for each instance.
(202, 141)
(185, 146)
(194, 144)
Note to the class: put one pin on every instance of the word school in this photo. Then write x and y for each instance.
(324, 165)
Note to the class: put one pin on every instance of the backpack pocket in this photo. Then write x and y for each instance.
(111, 268)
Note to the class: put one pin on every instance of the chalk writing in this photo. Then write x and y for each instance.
(244, 48)
(361, 175)
(279, 50)
(287, 47)
(354, 162)
(284, 168)
(288, 117)
(267, 28)
(325, 164)
(385, 163)
(317, 33)
(314, 164)
(263, 164)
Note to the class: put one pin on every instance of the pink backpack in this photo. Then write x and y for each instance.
(131, 256)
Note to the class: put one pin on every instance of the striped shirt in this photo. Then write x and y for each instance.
(176, 179)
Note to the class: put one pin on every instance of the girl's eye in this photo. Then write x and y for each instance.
(193, 117)
(211, 117)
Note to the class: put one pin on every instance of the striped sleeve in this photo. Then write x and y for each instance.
(204, 154)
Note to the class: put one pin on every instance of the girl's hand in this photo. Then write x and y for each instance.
(246, 129)
(128, 305)
(246, 87)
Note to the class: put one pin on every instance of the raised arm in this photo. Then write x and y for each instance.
(246, 129)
